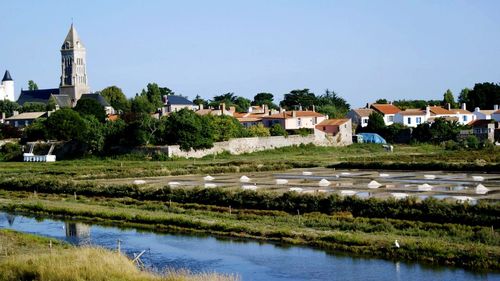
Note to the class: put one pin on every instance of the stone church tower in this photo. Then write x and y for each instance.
(73, 67)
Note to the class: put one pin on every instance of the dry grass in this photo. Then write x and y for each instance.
(28, 257)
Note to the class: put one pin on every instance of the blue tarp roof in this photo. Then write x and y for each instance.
(370, 138)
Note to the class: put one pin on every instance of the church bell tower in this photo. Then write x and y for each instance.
(73, 67)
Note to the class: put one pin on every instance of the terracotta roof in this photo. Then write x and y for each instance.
(412, 112)
(460, 111)
(497, 112)
(386, 108)
(249, 119)
(438, 110)
(113, 117)
(289, 114)
(481, 122)
(333, 122)
(363, 112)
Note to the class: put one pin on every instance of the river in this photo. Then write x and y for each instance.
(250, 260)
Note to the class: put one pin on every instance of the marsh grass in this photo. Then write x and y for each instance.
(30, 258)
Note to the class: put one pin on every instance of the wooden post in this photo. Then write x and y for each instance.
(170, 203)
(298, 214)
(229, 209)
(119, 246)
(74, 194)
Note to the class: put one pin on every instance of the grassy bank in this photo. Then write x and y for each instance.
(28, 257)
(473, 247)
(279, 159)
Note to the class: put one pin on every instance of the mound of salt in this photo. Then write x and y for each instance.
(139, 182)
(306, 173)
(478, 178)
(249, 187)
(210, 185)
(347, 192)
(174, 183)
(374, 184)
(296, 189)
(208, 178)
(281, 181)
(481, 189)
(430, 177)
(424, 187)
(244, 179)
(324, 182)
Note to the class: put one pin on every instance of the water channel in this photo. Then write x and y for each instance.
(250, 260)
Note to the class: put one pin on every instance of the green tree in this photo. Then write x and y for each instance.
(277, 130)
(94, 137)
(153, 94)
(264, 99)
(229, 99)
(464, 96)
(141, 104)
(199, 101)
(116, 98)
(381, 101)
(189, 130)
(32, 86)
(422, 133)
(33, 107)
(258, 131)
(443, 130)
(37, 130)
(86, 106)
(298, 98)
(484, 96)
(8, 107)
(66, 124)
(331, 104)
(164, 91)
(224, 127)
(376, 123)
(448, 98)
(242, 104)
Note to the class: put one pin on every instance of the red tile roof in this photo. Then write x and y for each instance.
(438, 110)
(332, 122)
(412, 112)
(289, 114)
(363, 112)
(481, 122)
(386, 108)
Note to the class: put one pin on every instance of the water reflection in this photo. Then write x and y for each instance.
(252, 260)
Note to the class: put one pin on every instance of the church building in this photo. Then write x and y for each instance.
(73, 81)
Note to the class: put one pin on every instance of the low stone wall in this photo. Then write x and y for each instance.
(248, 145)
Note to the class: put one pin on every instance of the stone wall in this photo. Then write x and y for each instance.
(247, 145)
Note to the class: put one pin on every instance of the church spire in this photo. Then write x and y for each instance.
(72, 40)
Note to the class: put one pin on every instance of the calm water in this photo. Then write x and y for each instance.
(250, 260)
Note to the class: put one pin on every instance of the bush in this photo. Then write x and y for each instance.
(11, 152)
(277, 130)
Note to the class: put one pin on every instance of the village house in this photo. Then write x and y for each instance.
(411, 117)
(339, 128)
(388, 111)
(414, 117)
(483, 129)
(359, 116)
(174, 103)
(293, 120)
(216, 112)
(484, 114)
(24, 119)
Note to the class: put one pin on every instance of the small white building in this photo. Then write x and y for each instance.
(7, 87)
(411, 117)
(388, 111)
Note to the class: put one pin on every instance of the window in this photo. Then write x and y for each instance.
(419, 120)
(409, 120)
(464, 118)
(299, 122)
(365, 121)
(390, 118)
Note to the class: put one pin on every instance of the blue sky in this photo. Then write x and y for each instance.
(363, 50)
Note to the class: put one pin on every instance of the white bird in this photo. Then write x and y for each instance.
(396, 244)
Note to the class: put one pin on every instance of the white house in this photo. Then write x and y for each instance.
(482, 114)
(292, 120)
(360, 116)
(411, 117)
(414, 117)
(388, 111)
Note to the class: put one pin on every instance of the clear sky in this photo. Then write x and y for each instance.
(363, 50)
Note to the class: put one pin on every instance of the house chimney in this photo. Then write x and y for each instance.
(300, 107)
(367, 105)
(427, 111)
(232, 109)
(448, 105)
(266, 108)
(477, 109)
(200, 106)
(282, 109)
(250, 109)
(314, 108)
(294, 114)
(3, 117)
(464, 106)
(222, 108)
(15, 112)
(495, 107)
